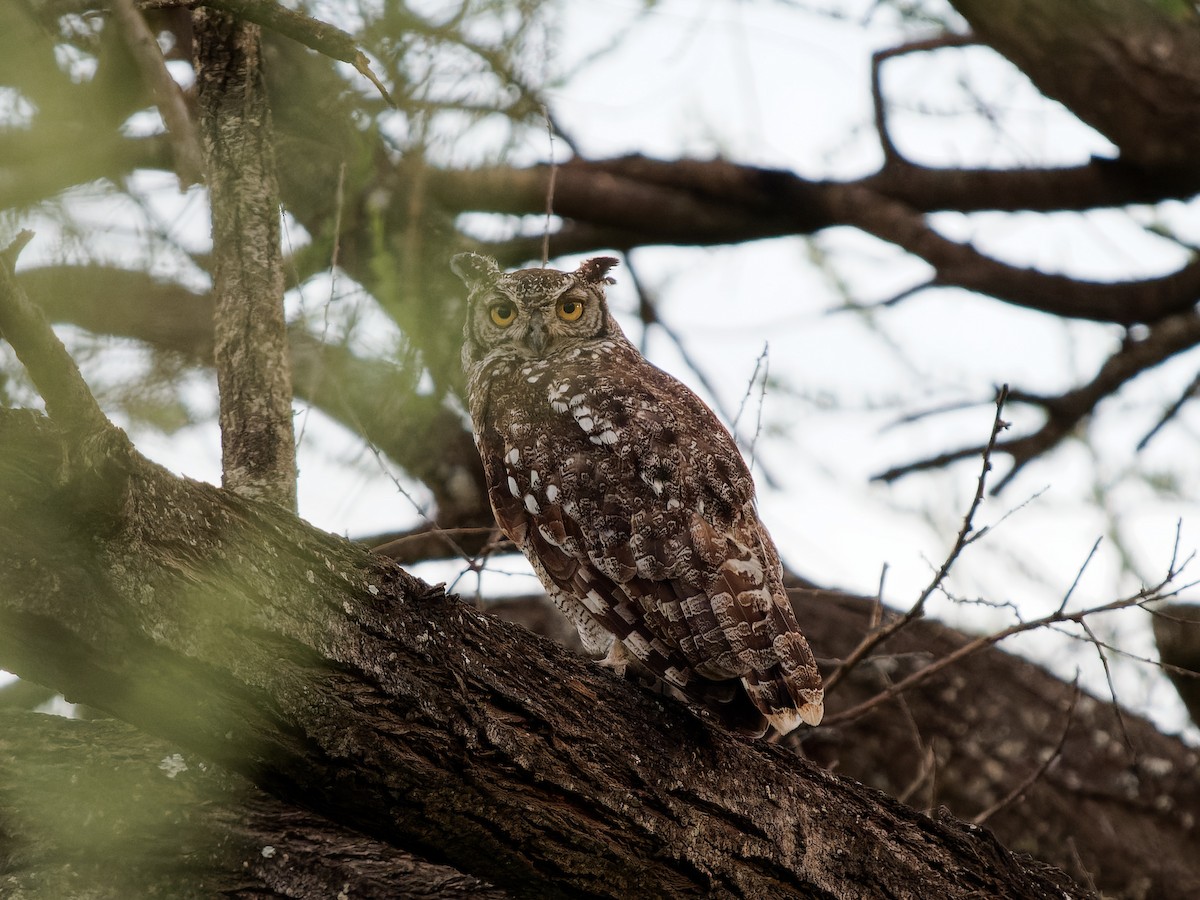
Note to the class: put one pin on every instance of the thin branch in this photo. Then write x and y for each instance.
(890, 153)
(1017, 792)
(181, 130)
(966, 535)
(1145, 595)
(1074, 584)
(1112, 688)
(549, 190)
(1171, 412)
(1165, 339)
(431, 541)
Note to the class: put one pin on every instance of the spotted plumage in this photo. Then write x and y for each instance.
(629, 498)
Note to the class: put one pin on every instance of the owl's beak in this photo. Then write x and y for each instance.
(535, 338)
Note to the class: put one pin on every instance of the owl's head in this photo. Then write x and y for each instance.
(534, 313)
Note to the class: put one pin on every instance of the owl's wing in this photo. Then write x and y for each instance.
(632, 499)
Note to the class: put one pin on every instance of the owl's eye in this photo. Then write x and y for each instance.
(569, 310)
(503, 314)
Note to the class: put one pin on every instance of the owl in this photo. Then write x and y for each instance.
(629, 498)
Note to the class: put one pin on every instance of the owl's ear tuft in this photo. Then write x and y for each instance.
(595, 270)
(474, 269)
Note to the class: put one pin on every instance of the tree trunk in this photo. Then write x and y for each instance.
(258, 452)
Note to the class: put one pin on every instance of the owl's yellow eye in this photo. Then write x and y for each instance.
(503, 314)
(569, 310)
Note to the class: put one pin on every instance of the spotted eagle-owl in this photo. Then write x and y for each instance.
(629, 498)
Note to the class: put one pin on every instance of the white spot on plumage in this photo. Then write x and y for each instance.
(638, 644)
(551, 492)
(514, 456)
(604, 437)
(512, 487)
(748, 568)
(586, 423)
(531, 504)
(593, 602)
(673, 503)
(534, 478)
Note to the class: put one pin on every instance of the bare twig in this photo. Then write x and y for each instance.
(1074, 584)
(1112, 688)
(966, 535)
(758, 365)
(1171, 412)
(549, 190)
(181, 130)
(432, 541)
(1145, 595)
(1028, 782)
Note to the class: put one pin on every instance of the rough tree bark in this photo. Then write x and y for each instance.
(258, 456)
(334, 681)
(137, 818)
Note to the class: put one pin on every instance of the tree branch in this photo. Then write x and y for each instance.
(1129, 69)
(50, 367)
(340, 683)
(175, 826)
(1064, 413)
(181, 131)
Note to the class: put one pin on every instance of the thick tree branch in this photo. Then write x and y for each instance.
(634, 201)
(1129, 68)
(175, 826)
(338, 682)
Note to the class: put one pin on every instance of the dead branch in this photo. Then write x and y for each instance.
(966, 535)
(1026, 783)
(1147, 595)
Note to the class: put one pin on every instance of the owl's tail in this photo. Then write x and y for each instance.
(788, 693)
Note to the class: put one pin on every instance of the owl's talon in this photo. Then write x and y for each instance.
(617, 659)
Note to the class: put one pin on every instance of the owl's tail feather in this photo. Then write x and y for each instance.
(788, 698)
